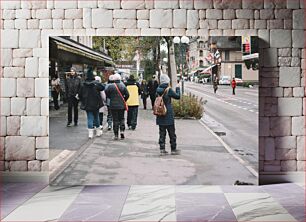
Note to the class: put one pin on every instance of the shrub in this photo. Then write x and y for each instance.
(189, 106)
(246, 84)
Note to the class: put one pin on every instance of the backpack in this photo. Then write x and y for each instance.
(159, 108)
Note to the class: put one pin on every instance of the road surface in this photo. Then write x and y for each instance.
(236, 116)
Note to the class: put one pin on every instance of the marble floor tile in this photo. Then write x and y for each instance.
(6, 210)
(97, 203)
(242, 189)
(257, 207)
(203, 207)
(197, 189)
(298, 212)
(22, 187)
(150, 203)
(15, 198)
(106, 189)
(47, 205)
(289, 199)
(283, 188)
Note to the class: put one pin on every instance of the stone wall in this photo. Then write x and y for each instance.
(26, 25)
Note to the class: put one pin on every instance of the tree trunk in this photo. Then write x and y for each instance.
(172, 63)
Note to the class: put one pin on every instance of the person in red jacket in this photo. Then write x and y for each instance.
(234, 84)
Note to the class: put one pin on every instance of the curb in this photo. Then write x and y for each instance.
(231, 151)
(54, 174)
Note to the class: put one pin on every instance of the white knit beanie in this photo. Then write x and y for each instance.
(98, 78)
(164, 79)
(116, 77)
(111, 78)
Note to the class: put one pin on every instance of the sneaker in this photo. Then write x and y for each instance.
(130, 127)
(75, 124)
(175, 152)
(68, 124)
(163, 152)
(122, 136)
(133, 128)
(109, 128)
(115, 138)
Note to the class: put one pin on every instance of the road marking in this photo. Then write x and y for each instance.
(224, 101)
(230, 150)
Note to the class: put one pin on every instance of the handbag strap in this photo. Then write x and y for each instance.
(119, 92)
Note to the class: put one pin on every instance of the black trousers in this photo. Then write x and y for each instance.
(144, 101)
(162, 136)
(132, 116)
(152, 97)
(55, 99)
(109, 117)
(101, 119)
(234, 88)
(118, 120)
(73, 104)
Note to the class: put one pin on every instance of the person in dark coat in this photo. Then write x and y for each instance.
(166, 123)
(117, 104)
(144, 93)
(91, 102)
(152, 86)
(72, 86)
(109, 113)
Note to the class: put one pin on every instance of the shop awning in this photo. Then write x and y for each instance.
(81, 50)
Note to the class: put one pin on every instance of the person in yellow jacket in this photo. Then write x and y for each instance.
(133, 102)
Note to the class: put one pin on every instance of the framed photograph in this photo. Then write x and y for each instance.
(154, 110)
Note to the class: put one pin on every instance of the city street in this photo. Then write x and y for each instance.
(233, 117)
(136, 160)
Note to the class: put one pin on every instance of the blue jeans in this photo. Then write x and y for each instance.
(93, 119)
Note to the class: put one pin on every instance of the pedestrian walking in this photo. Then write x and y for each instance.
(133, 102)
(152, 86)
(109, 113)
(144, 93)
(118, 95)
(215, 83)
(55, 91)
(72, 85)
(234, 84)
(166, 122)
(91, 102)
(103, 109)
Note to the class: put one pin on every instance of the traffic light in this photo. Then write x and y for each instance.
(246, 48)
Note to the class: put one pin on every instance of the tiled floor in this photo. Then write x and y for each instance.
(38, 202)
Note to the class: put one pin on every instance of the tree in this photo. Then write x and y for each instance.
(119, 48)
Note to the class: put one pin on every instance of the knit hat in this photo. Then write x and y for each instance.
(116, 77)
(164, 79)
(98, 78)
(111, 78)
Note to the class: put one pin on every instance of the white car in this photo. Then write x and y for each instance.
(225, 80)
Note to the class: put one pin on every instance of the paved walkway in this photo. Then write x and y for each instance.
(35, 202)
(136, 159)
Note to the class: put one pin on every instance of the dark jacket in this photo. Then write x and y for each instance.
(72, 86)
(144, 90)
(90, 95)
(116, 101)
(152, 86)
(168, 119)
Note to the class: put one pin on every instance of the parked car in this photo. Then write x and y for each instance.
(239, 81)
(225, 80)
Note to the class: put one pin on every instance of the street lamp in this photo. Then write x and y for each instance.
(183, 42)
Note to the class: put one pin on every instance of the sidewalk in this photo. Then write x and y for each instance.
(136, 159)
